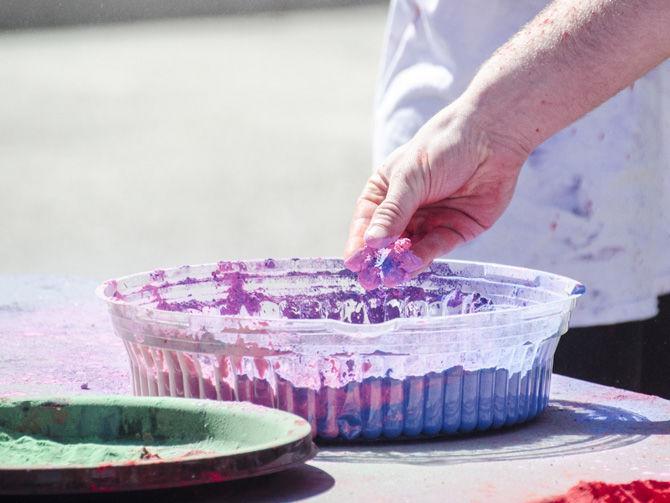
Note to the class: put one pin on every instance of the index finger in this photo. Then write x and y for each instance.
(373, 194)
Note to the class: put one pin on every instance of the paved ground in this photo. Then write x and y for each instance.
(51, 342)
(127, 147)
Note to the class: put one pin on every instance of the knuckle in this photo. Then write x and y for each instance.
(391, 210)
(376, 184)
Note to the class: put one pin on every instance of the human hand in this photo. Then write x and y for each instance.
(444, 187)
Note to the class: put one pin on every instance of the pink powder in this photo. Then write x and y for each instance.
(636, 491)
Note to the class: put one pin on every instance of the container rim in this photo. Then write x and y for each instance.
(577, 291)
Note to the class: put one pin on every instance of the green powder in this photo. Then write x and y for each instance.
(91, 431)
(22, 451)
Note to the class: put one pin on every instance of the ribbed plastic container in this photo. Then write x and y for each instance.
(465, 346)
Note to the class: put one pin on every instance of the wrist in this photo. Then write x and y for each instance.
(506, 139)
(505, 116)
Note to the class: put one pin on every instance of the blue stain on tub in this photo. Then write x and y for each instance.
(579, 289)
(453, 401)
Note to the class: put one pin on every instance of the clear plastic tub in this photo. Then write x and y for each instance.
(465, 346)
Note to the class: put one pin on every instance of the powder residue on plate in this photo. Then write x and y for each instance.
(20, 450)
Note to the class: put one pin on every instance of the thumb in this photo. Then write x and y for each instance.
(393, 214)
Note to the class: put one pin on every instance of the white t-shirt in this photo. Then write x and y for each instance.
(592, 202)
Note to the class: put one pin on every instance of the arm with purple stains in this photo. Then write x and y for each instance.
(456, 176)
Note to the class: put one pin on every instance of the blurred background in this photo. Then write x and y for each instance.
(137, 134)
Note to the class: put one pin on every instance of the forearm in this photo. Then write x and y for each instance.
(568, 60)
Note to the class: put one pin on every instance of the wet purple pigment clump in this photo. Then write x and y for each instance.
(389, 266)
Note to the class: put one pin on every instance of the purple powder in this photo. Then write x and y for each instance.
(390, 266)
(240, 291)
(157, 275)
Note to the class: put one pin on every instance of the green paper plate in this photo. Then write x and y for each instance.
(102, 444)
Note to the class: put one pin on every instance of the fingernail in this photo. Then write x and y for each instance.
(377, 237)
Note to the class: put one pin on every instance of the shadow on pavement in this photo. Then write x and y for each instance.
(564, 429)
(294, 484)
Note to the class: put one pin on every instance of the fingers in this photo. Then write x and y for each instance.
(373, 194)
(354, 261)
(440, 228)
(438, 242)
(376, 190)
(391, 217)
(381, 215)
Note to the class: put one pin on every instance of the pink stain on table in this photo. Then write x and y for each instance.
(596, 491)
(57, 338)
